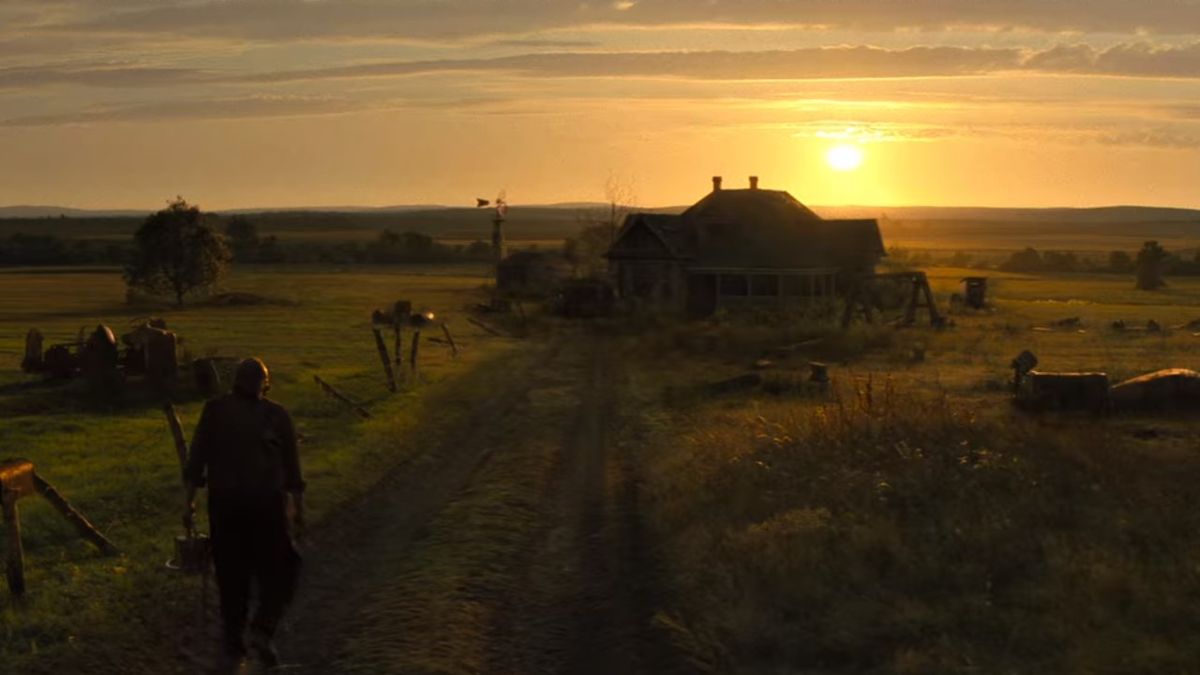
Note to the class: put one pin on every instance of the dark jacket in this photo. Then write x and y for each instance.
(244, 446)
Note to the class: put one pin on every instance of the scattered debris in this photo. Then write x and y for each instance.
(449, 339)
(18, 479)
(1025, 362)
(207, 377)
(975, 291)
(33, 360)
(745, 382)
(486, 328)
(1160, 390)
(328, 389)
(788, 350)
(1151, 326)
(383, 354)
(818, 372)
(1064, 391)
(763, 364)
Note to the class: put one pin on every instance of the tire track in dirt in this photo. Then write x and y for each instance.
(517, 549)
(361, 542)
(591, 586)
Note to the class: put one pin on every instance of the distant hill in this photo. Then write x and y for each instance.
(1104, 214)
(63, 211)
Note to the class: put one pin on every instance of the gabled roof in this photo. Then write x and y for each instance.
(750, 207)
(668, 229)
(750, 229)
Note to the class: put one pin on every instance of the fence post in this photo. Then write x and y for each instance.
(412, 357)
(14, 569)
(387, 361)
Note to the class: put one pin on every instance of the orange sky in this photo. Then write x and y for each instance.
(249, 103)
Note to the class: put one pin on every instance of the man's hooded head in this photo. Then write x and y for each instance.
(252, 378)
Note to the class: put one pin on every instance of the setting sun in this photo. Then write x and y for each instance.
(844, 158)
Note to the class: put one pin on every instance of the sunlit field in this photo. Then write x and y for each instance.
(909, 519)
(115, 460)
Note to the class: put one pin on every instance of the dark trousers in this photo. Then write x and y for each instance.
(250, 543)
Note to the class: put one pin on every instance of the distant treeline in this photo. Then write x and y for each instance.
(1031, 261)
(1117, 262)
(22, 249)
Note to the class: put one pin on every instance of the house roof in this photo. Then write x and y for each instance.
(753, 229)
(750, 207)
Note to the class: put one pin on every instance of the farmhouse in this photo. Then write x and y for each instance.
(738, 248)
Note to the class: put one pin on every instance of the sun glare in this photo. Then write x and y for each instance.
(844, 157)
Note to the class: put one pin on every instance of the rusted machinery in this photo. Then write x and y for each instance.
(149, 349)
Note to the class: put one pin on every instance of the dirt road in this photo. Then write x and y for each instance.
(514, 544)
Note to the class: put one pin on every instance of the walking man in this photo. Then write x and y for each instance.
(244, 450)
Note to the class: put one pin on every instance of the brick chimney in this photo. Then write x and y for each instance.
(753, 182)
(716, 183)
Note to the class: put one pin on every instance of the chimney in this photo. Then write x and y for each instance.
(716, 183)
(753, 182)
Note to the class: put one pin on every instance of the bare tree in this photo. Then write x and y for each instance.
(598, 227)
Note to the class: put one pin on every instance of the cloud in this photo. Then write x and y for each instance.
(1135, 60)
(862, 62)
(116, 76)
(235, 108)
(308, 19)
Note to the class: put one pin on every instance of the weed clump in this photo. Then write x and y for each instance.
(886, 530)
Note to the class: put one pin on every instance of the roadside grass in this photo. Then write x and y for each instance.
(116, 463)
(910, 520)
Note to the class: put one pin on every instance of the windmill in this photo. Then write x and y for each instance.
(499, 216)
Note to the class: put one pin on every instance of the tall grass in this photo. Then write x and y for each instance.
(888, 529)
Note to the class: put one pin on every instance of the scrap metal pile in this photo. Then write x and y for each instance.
(149, 350)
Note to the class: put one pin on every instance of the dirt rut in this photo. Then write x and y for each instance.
(514, 546)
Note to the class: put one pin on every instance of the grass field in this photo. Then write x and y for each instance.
(116, 463)
(907, 520)
(911, 519)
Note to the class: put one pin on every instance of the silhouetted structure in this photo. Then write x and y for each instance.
(738, 248)
(532, 271)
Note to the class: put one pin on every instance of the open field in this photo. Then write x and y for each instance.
(911, 519)
(564, 503)
(116, 462)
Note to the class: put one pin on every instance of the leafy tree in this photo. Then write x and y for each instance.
(1028, 260)
(177, 251)
(1057, 261)
(1151, 264)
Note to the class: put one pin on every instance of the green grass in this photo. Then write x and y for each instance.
(117, 464)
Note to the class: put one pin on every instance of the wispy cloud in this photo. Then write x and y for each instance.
(287, 19)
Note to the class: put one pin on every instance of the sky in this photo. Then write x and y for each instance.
(274, 103)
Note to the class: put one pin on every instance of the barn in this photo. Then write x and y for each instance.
(740, 248)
